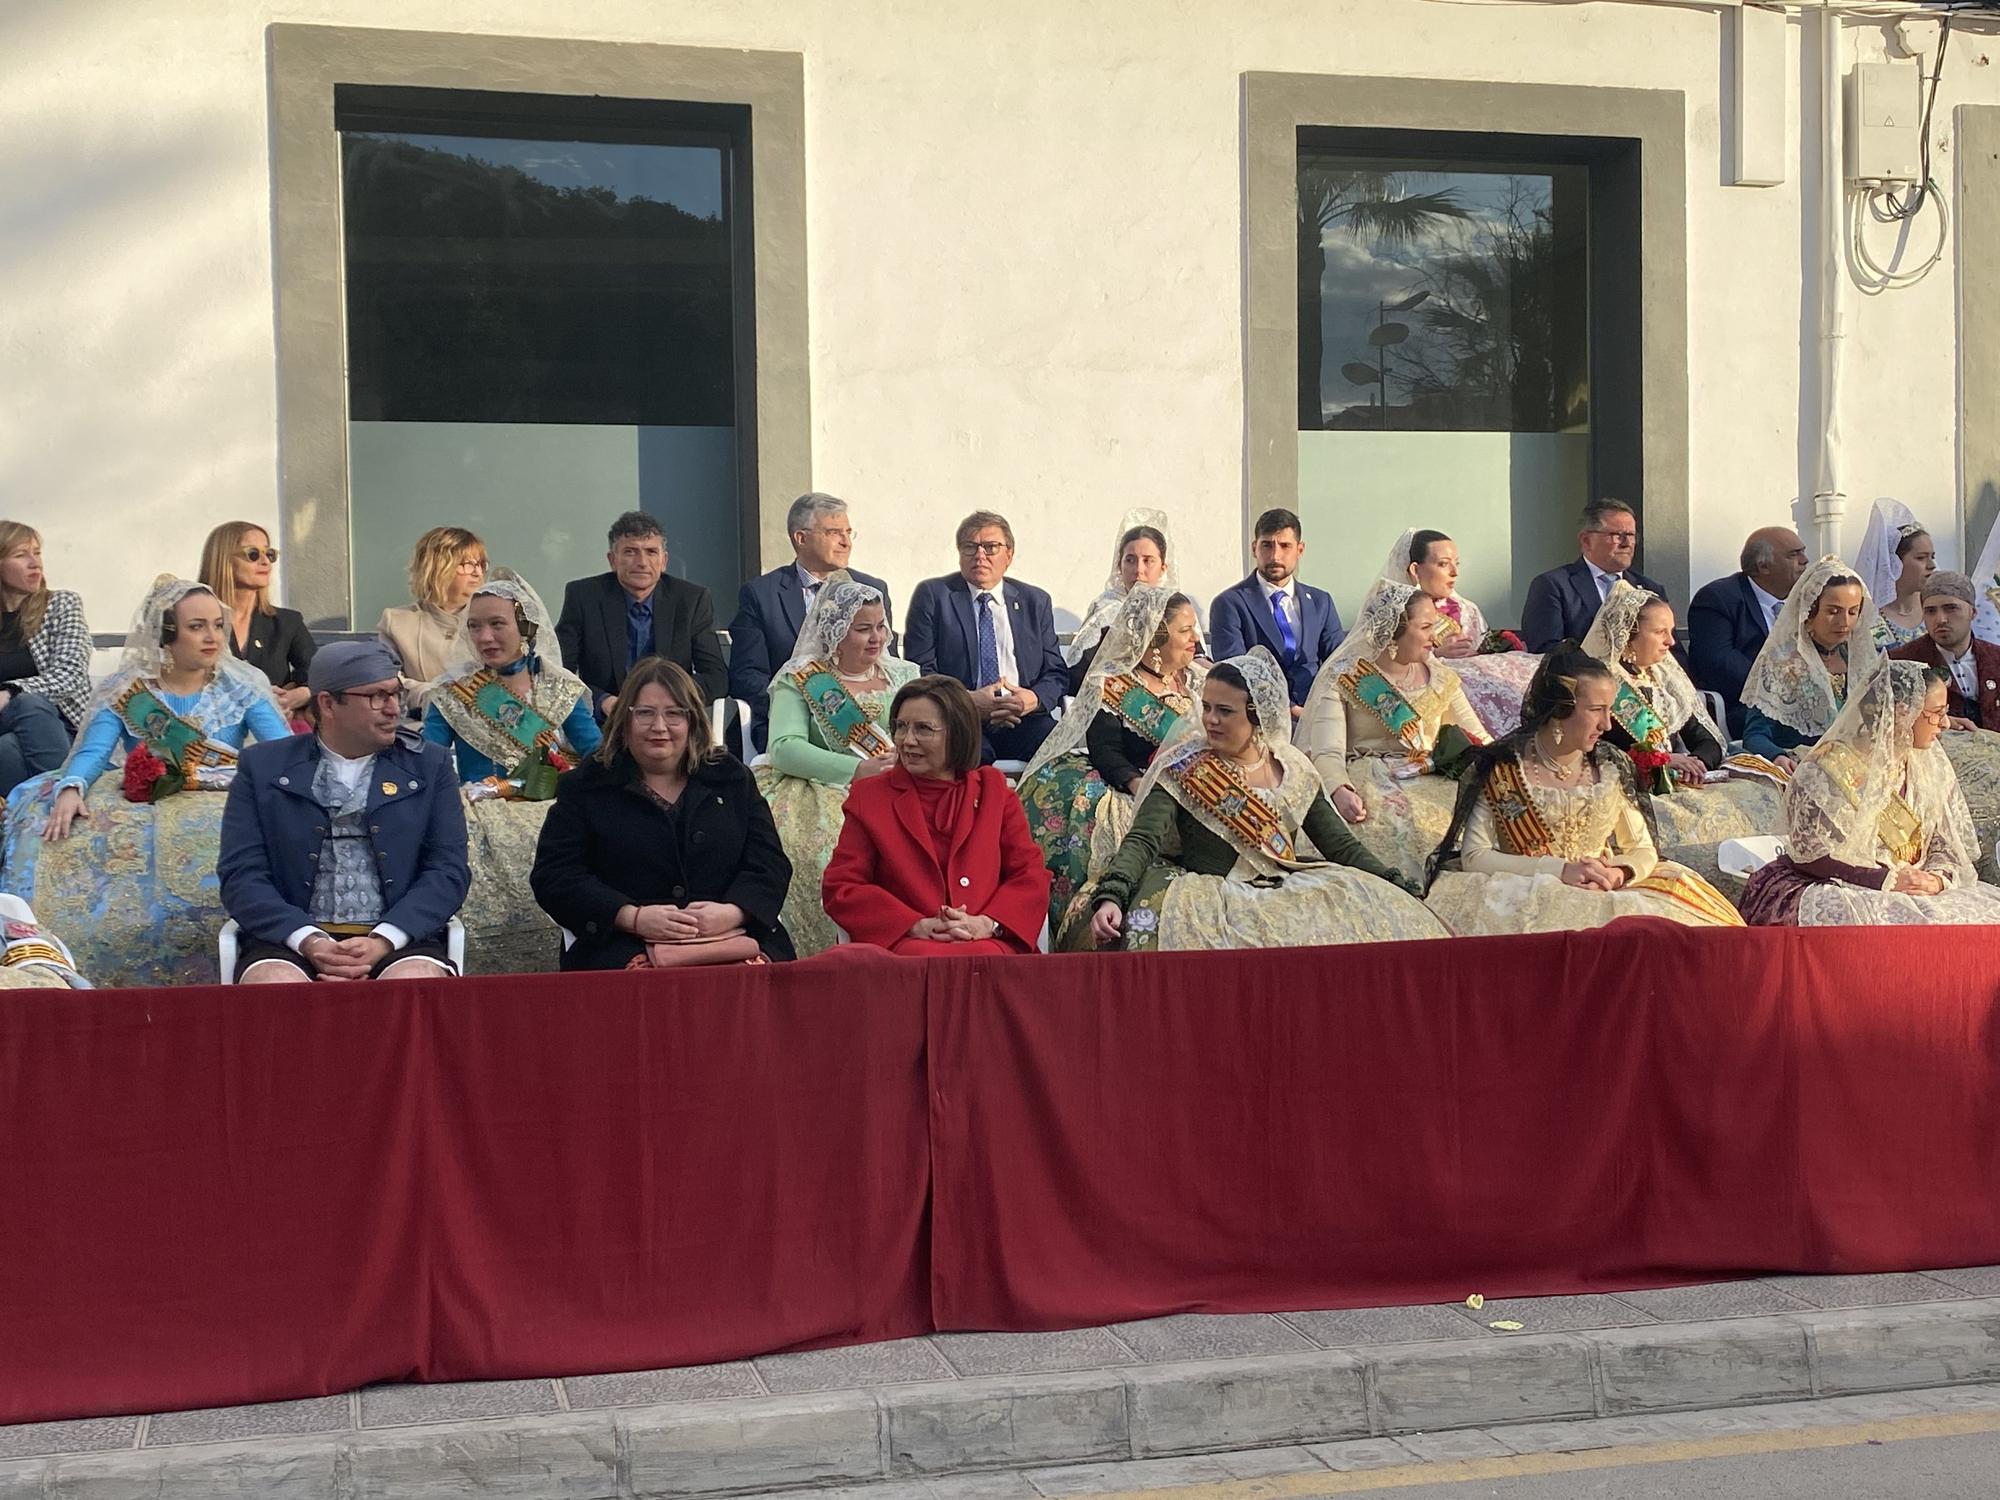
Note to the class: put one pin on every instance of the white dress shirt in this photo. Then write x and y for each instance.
(1769, 603)
(1965, 676)
(1003, 633)
(1602, 579)
(1284, 591)
(808, 585)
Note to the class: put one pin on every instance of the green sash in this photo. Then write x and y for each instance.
(1636, 717)
(166, 734)
(842, 721)
(486, 695)
(1366, 688)
(1145, 713)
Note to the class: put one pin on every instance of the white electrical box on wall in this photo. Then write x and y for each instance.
(1884, 110)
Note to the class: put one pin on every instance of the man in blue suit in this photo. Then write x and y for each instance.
(1731, 617)
(1563, 602)
(771, 608)
(343, 852)
(1272, 608)
(996, 636)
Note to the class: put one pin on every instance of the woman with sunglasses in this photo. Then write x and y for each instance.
(236, 564)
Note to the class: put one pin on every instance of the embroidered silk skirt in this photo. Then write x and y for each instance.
(1486, 905)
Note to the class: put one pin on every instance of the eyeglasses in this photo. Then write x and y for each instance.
(646, 718)
(1619, 536)
(465, 564)
(839, 533)
(387, 698)
(915, 731)
(258, 554)
(1938, 716)
(981, 549)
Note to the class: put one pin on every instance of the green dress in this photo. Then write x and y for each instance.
(805, 781)
(1184, 886)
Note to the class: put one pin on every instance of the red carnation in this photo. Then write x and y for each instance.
(1652, 768)
(148, 778)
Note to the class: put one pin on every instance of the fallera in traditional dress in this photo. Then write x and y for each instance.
(1517, 837)
(810, 766)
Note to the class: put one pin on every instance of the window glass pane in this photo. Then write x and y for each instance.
(1442, 296)
(495, 280)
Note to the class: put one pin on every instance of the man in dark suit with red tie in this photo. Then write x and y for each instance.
(1972, 666)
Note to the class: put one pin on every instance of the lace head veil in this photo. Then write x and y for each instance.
(1397, 568)
(1375, 628)
(145, 656)
(839, 600)
(1675, 700)
(1269, 696)
(1888, 524)
(1844, 784)
(1127, 637)
(505, 583)
(1788, 683)
(1097, 619)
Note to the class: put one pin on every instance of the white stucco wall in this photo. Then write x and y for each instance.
(1025, 248)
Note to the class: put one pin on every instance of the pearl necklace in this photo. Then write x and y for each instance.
(1548, 764)
(868, 676)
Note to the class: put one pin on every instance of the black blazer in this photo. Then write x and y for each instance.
(1726, 630)
(280, 646)
(592, 632)
(770, 610)
(606, 844)
(1562, 604)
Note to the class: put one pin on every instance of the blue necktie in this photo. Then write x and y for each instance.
(1284, 626)
(989, 646)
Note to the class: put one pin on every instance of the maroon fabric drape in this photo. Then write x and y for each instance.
(1119, 1137)
(214, 1196)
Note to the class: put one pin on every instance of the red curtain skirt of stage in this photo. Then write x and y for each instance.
(213, 1196)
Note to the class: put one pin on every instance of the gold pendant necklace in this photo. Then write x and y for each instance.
(1549, 765)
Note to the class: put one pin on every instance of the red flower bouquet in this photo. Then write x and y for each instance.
(1652, 768)
(1499, 641)
(148, 778)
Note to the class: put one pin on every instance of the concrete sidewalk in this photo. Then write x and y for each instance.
(957, 1403)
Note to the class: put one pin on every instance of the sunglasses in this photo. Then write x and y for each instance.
(258, 554)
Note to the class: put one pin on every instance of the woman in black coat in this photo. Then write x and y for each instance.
(658, 841)
(236, 564)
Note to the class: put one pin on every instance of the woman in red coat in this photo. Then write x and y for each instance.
(935, 856)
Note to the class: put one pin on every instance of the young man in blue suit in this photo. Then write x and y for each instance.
(770, 609)
(1563, 602)
(1731, 617)
(1271, 608)
(343, 851)
(996, 636)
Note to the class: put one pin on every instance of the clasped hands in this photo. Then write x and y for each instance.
(1594, 874)
(681, 924)
(1003, 704)
(345, 958)
(953, 924)
(1911, 881)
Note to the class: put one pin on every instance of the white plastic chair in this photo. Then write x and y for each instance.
(718, 721)
(226, 942)
(1744, 857)
(1716, 710)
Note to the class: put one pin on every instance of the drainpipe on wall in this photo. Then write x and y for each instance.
(1829, 504)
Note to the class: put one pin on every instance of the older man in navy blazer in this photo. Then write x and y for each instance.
(771, 608)
(1729, 619)
(996, 636)
(1563, 603)
(1272, 608)
(343, 852)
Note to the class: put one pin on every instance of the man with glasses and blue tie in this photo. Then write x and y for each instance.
(1563, 602)
(1297, 624)
(995, 635)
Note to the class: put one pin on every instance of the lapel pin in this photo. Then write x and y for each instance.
(388, 788)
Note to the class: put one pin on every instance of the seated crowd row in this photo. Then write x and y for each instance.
(1276, 796)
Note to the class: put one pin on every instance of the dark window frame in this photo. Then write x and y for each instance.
(1616, 285)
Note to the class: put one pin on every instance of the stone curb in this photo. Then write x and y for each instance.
(1005, 1422)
